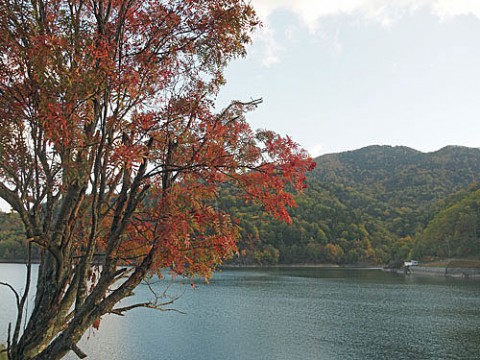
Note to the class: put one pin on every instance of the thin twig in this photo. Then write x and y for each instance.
(17, 295)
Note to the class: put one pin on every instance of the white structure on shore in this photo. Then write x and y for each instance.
(410, 263)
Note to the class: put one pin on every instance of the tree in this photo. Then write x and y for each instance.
(111, 152)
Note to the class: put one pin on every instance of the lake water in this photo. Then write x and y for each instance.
(302, 313)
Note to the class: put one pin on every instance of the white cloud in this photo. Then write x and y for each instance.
(273, 48)
(449, 8)
(310, 11)
(315, 150)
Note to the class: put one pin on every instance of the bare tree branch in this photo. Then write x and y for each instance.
(17, 296)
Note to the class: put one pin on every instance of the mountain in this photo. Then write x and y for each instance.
(367, 205)
(399, 175)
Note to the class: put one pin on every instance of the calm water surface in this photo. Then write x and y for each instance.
(306, 313)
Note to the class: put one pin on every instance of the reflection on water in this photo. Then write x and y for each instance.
(301, 313)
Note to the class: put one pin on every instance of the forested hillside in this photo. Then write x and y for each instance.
(13, 245)
(379, 204)
(454, 231)
(365, 206)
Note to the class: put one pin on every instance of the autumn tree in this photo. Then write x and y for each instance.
(111, 152)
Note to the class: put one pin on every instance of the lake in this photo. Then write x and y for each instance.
(291, 313)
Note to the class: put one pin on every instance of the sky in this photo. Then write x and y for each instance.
(338, 75)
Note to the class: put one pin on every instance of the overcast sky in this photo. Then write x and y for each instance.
(339, 75)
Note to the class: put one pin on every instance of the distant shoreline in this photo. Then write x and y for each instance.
(257, 266)
(434, 269)
(17, 261)
(324, 266)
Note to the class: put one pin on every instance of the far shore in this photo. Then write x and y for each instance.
(439, 269)
(296, 266)
(247, 266)
(17, 261)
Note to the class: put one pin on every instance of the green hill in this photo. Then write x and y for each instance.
(454, 230)
(367, 205)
